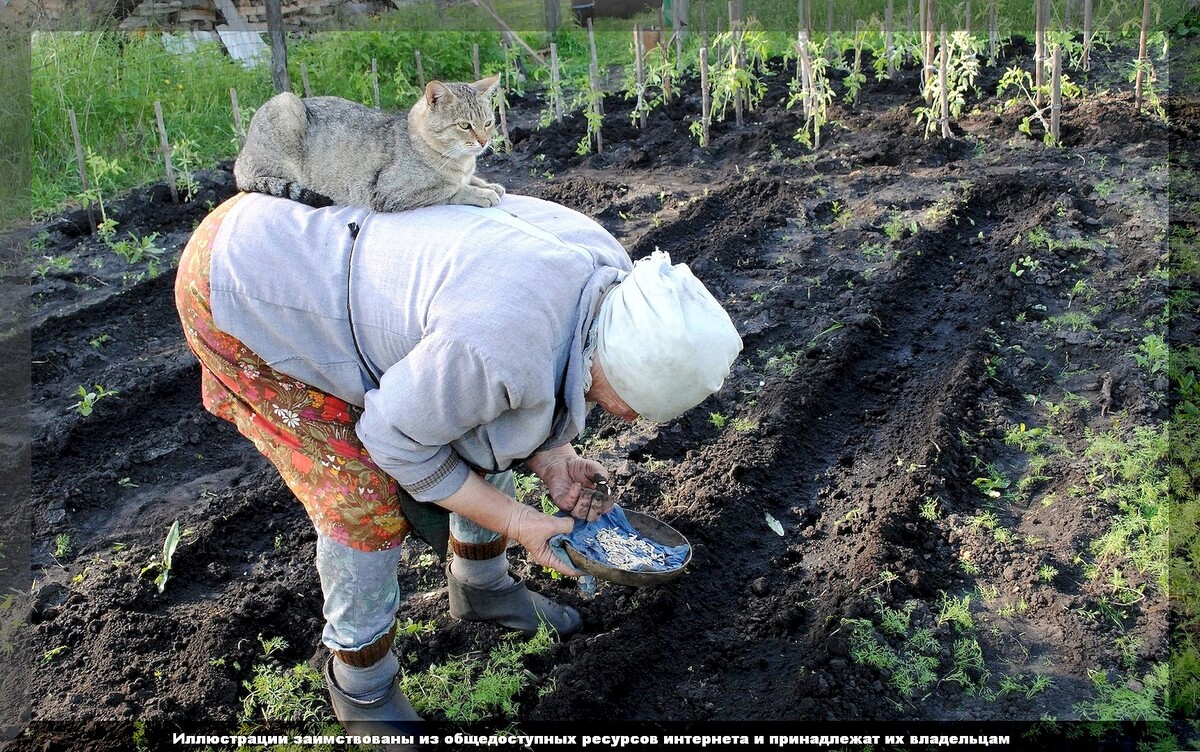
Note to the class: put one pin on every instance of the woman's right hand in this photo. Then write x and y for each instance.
(533, 530)
(486, 506)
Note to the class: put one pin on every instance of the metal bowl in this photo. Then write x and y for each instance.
(649, 527)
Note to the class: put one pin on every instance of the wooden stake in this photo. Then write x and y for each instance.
(809, 88)
(678, 8)
(736, 53)
(375, 80)
(921, 15)
(1085, 62)
(829, 32)
(801, 16)
(552, 19)
(1039, 51)
(944, 62)
(908, 17)
(967, 18)
(1143, 61)
(166, 151)
(475, 60)
(420, 70)
(238, 129)
(930, 26)
(705, 100)
(889, 36)
(1066, 15)
(279, 69)
(81, 165)
(858, 42)
(500, 96)
(556, 83)
(1056, 95)
(508, 30)
(594, 75)
(639, 69)
(663, 44)
(993, 31)
(304, 79)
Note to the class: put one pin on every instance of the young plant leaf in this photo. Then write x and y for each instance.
(169, 546)
(774, 524)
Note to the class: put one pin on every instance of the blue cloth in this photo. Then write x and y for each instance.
(584, 540)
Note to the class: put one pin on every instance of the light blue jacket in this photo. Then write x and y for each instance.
(459, 330)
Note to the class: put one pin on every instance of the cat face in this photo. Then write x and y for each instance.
(459, 117)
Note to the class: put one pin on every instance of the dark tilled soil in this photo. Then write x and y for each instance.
(878, 373)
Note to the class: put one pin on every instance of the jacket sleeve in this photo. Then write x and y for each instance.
(437, 393)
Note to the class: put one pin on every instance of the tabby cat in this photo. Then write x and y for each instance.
(327, 150)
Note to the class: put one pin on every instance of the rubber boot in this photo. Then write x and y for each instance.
(515, 607)
(390, 715)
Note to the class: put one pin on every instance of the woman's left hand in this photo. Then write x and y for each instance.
(570, 479)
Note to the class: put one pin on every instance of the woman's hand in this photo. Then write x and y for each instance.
(572, 482)
(483, 504)
(533, 530)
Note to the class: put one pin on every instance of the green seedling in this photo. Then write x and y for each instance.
(717, 420)
(1047, 573)
(1152, 354)
(62, 545)
(1025, 264)
(88, 399)
(99, 341)
(929, 509)
(168, 554)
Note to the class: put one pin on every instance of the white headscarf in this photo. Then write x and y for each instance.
(664, 341)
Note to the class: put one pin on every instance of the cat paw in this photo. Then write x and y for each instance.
(499, 189)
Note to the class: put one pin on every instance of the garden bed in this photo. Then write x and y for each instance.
(952, 393)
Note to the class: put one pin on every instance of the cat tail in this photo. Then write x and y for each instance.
(287, 189)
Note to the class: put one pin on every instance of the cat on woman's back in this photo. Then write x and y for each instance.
(327, 150)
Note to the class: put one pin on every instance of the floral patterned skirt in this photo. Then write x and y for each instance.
(307, 434)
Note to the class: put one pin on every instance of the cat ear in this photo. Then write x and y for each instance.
(436, 92)
(486, 86)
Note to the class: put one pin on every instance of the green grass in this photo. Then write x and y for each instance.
(469, 689)
(1127, 469)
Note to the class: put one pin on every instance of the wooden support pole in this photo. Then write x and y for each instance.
(279, 69)
(1085, 61)
(420, 70)
(1056, 96)
(736, 57)
(944, 94)
(475, 61)
(967, 18)
(556, 83)
(663, 46)
(678, 9)
(993, 31)
(889, 38)
(81, 165)
(238, 129)
(829, 31)
(858, 43)
(508, 30)
(597, 91)
(552, 16)
(705, 99)
(166, 151)
(1039, 51)
(639, 71)
(304, 80)
(501, 95)
(1143, 62)
(375, 80)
